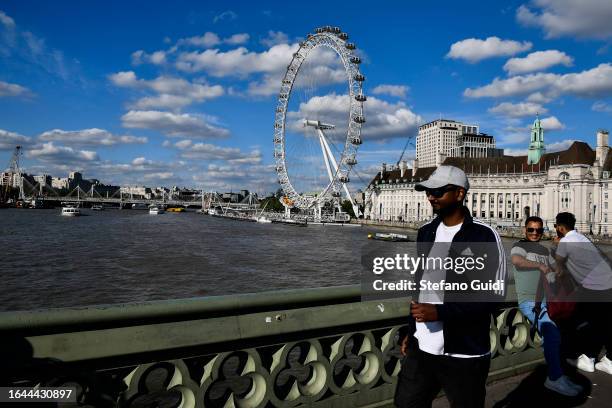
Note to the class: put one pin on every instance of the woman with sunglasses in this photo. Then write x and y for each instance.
(530, 260)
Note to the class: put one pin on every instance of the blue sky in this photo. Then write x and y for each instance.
(184, 93)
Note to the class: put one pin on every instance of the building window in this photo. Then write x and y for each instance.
(482, 214)
(509, 215)
(501, 215)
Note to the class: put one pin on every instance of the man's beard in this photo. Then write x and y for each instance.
(448, 210)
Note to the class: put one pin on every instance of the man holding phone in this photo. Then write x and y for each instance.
(446, 344)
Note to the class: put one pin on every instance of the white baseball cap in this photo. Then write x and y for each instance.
(443, 176)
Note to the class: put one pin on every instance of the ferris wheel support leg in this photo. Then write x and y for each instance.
(335, 165)
(326, 158)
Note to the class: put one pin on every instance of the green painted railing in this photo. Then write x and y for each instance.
(315, 348)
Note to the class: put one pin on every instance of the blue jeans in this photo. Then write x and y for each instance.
(550, 335)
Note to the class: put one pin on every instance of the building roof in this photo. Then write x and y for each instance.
(394, 174)
(577, 153)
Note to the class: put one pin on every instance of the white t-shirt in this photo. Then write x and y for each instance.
(584, 261)
(431, 334)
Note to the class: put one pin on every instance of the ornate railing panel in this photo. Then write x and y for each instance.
(304, 348)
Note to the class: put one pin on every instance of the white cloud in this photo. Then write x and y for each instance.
(173, 124)
(226, 15)
(89, 137)
(238, 62)
(159, 176)
(274, 38)
(384, 120)
(7, 89)
(140, 171)
(207, 151)
(474, 50)
(399, 91)
(590, 83)
(163, 101)
(537, 61)
(27, 50)
(601, 106)
(6, 21)
(569, 18)
(210, 39)
(258, 177)
(8, 140)
(517, 110)
(173, 93)
(237, 39)
(552, 123)
(124, 79)
(539, 97)
(559, 146)
(207, 40)
(49, 152)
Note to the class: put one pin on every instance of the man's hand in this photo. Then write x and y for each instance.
(404, 346)
(555, 240)
(544, 269)
(423, 312)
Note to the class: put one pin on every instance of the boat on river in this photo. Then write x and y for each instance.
(70, 212)
(392, 237)
(176, 209)
(156, 210)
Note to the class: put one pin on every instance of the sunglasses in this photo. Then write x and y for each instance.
(439, 192)
(536, 230)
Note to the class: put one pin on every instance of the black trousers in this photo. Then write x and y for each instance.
(423, 375)
(595, 309)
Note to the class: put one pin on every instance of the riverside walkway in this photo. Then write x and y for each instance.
(296, 348)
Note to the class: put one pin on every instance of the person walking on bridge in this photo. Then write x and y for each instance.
(446, 342)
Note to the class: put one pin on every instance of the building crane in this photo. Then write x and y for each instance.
(408, 142)
(15, 172)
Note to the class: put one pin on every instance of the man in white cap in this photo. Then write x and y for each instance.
(446, 341)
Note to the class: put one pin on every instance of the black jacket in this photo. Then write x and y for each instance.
(466, 314)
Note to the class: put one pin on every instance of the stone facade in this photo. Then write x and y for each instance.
(505, 190)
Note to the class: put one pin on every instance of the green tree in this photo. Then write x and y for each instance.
(348, 208)
(272, 203)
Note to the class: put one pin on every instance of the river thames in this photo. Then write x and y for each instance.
(118, 256)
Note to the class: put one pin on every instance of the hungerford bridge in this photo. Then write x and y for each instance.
(205, 200)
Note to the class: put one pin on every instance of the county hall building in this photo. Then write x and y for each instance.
(504, 190)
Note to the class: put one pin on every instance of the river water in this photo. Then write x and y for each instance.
(118, 256)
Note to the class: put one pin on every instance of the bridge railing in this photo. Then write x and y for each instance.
(315, 347)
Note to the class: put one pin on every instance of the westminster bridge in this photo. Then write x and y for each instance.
(295, 348)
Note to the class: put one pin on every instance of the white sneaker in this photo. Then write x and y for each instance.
(572, 384)
(560, 386)
(583, 363)
(605, 365)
